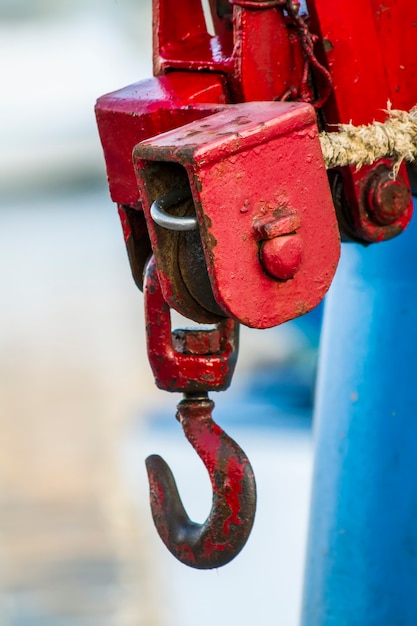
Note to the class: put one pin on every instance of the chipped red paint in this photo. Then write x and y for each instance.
(173, 370)
(157, 493)
(233, 488)
(216, 429)
(230, 521)
(127, 231)
(210, 548)
(226, 157)
(145, 109)
(186, 554)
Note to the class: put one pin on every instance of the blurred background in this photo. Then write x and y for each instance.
(79, 411)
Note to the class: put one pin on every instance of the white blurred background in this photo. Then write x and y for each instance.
(78, 408)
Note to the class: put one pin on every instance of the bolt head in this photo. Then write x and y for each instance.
(387, 198)
(281, 257)
(282, 221)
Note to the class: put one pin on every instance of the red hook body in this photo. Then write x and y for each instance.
(227, 528)
(196, 361)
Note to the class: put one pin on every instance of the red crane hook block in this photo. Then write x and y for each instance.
(261, 203)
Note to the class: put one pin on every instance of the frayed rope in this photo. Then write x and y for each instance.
(395, 138)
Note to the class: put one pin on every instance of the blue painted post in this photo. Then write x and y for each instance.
(362, 555)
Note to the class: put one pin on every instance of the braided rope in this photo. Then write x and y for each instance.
(362, 145)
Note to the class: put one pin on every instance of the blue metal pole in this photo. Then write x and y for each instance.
(361, 565)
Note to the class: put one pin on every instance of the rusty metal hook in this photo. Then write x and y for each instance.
(227, 528)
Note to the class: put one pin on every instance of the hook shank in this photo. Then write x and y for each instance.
(227, 528)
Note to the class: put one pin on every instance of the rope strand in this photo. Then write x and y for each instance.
(362, 145)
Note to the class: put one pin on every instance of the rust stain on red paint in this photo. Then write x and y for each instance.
(233, 489)
(127, 231)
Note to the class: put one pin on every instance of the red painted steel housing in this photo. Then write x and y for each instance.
(248, 164)
(259, 53)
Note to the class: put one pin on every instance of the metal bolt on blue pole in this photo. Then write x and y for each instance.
(361, 567)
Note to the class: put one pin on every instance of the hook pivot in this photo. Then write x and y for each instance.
(202, 361)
